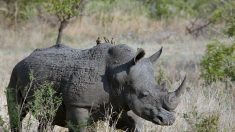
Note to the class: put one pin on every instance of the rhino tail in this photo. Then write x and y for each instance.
(12, 103)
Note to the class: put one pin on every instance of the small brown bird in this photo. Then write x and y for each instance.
(112, 41)
(106, 40)
(98, 41)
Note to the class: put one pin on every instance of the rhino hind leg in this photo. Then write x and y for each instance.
(23, 110)
(14, 102)
(77, 119)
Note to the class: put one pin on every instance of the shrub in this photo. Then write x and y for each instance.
(13, 108)
(230, 26)
(44, 105)
(2, 127)
(64, 10)
(1, 121)
(218, 63)
(200, 9)
(208, 124)
(202, 122)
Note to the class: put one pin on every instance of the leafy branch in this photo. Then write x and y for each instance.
(64, 10)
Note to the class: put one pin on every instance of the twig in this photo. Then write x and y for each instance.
(193, 29)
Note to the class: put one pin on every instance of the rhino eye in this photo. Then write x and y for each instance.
(144, 94)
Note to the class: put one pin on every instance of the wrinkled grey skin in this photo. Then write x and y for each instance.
(97, 78)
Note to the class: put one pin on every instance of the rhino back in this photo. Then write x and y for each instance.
(78, 74)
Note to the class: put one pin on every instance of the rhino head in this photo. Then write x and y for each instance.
(141, 93)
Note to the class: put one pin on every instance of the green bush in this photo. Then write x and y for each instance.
(44, 105)
(1, 121)
(208, 124)
(13, 108)
(230, 26)
(63, 9)
(202, 122)
(211, 10)
(2, 125)
(218, 63)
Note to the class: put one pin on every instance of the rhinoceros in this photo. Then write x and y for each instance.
(93, 80)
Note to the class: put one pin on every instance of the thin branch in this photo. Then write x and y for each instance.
(193, 29)
(63, 24)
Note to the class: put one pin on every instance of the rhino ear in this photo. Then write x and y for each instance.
(139, 55)
(155, 56)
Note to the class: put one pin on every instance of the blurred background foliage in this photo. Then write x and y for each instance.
(202, 15)
(205, 12)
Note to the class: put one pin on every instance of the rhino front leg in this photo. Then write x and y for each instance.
(138, 121)
(77, 119)
(130, 122)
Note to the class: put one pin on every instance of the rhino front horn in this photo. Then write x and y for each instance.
(173, 98)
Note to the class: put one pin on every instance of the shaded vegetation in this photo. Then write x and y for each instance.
(13, 109)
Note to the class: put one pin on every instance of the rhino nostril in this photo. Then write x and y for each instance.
(160, 118)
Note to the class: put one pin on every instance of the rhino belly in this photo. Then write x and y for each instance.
(86, 87)
(85, 95)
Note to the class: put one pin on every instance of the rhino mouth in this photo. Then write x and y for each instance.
(160, 121)
(157, 121)
(164, 119)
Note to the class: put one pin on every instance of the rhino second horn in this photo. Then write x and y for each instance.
(179, 91)
(173, 98)
(155, 56)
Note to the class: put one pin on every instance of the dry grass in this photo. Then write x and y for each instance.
(181, 55)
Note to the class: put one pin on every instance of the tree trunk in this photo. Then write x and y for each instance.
(63, 24)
